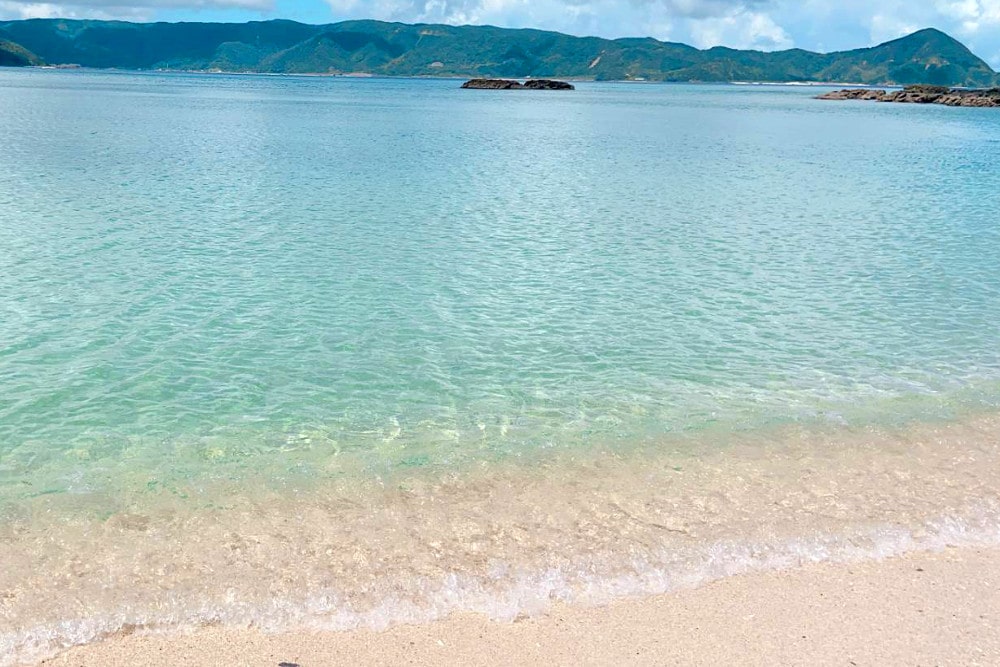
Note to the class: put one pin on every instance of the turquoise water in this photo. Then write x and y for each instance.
(268, 345)
(203, 276)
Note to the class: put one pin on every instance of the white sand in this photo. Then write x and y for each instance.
(922, 609)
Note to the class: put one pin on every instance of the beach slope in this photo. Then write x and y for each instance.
(937, 608)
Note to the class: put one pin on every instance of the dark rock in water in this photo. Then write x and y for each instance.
(492, 84)
(547, 84)
(507, 84)
(953, 97)
(971, 98)
(917, 95)
(867, 94)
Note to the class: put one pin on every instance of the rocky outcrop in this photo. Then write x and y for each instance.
(916, 95)
(866, 94)
(492, 84)
(952, 97)
(546, 84)
(507, 84)
(958, 98)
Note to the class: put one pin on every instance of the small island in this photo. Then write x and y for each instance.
(507, 84)
(952, 97)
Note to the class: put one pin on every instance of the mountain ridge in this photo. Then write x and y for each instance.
(927, 56)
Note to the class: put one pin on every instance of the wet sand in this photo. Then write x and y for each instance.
(550, 542)
(940, 608)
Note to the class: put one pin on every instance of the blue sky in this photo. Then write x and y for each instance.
(821, 25)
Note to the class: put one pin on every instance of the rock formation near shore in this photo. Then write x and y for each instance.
(952, 97)
(547, 84)
(507, 84)
(492, 84)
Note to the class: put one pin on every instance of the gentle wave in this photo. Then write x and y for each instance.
(503, 540)
(509, 596)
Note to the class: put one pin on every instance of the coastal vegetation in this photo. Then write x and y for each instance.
(393, 49)
(15, 55)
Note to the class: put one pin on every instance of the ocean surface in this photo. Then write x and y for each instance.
(258, 330)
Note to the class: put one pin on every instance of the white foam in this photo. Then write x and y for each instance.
(508, 592)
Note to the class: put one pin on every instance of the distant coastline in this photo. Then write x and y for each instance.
(453, 77)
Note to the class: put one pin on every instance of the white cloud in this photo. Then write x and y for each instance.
(31, 10)
(138, 10)
(974, 15)
(742, 29)
(962, 10)
(974, 11)
(734, 22)
(454, 11)
(17, 9)
(883, 27)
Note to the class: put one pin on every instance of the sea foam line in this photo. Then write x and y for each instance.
(509, 593)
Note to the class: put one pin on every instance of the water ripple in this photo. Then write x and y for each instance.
(244, 266)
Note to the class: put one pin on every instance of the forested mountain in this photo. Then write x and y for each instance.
(394, 49)
(15, 55)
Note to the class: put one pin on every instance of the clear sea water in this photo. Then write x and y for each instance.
(200, 270)
(204, 277)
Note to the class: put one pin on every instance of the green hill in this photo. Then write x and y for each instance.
(395, 49)
(13, 54)
(928, 56)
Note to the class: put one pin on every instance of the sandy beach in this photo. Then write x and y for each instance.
(921, 609)
(769, 554)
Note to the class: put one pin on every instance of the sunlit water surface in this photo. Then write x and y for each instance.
(275, 283)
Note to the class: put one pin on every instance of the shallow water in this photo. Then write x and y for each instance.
(505, 540)
(231, 302)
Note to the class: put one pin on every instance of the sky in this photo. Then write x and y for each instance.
(818, 25)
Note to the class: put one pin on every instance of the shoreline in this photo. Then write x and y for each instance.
(431, 77)
(505, 542)
(922, 608)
